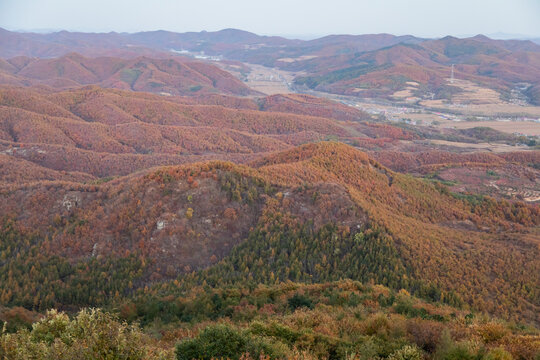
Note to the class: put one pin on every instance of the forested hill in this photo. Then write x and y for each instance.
(315, 213)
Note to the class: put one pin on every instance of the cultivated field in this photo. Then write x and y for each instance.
(529, 128)
(474, 94)
(523, 127)
(496, 148)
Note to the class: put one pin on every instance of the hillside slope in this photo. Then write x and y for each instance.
(355, 219)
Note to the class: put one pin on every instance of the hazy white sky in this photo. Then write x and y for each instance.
(282, 17)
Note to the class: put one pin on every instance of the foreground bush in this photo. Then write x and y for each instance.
(92, 334)
(223, 341)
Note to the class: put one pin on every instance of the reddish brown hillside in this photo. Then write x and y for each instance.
(176, 76)
(91, 129)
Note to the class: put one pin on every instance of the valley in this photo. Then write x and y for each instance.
(469, 110)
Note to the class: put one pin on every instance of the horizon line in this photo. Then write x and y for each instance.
(300, 36)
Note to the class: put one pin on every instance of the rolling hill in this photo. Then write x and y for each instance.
(95, 132)
(105, 132)
(178, 76)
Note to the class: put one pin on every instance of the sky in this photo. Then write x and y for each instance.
(292, 18)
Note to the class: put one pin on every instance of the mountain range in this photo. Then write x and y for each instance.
(376, 65)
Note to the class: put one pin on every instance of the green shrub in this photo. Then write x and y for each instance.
(275, 330)
(298, 301)
(224, 341)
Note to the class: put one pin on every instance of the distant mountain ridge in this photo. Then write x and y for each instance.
(59, 43)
